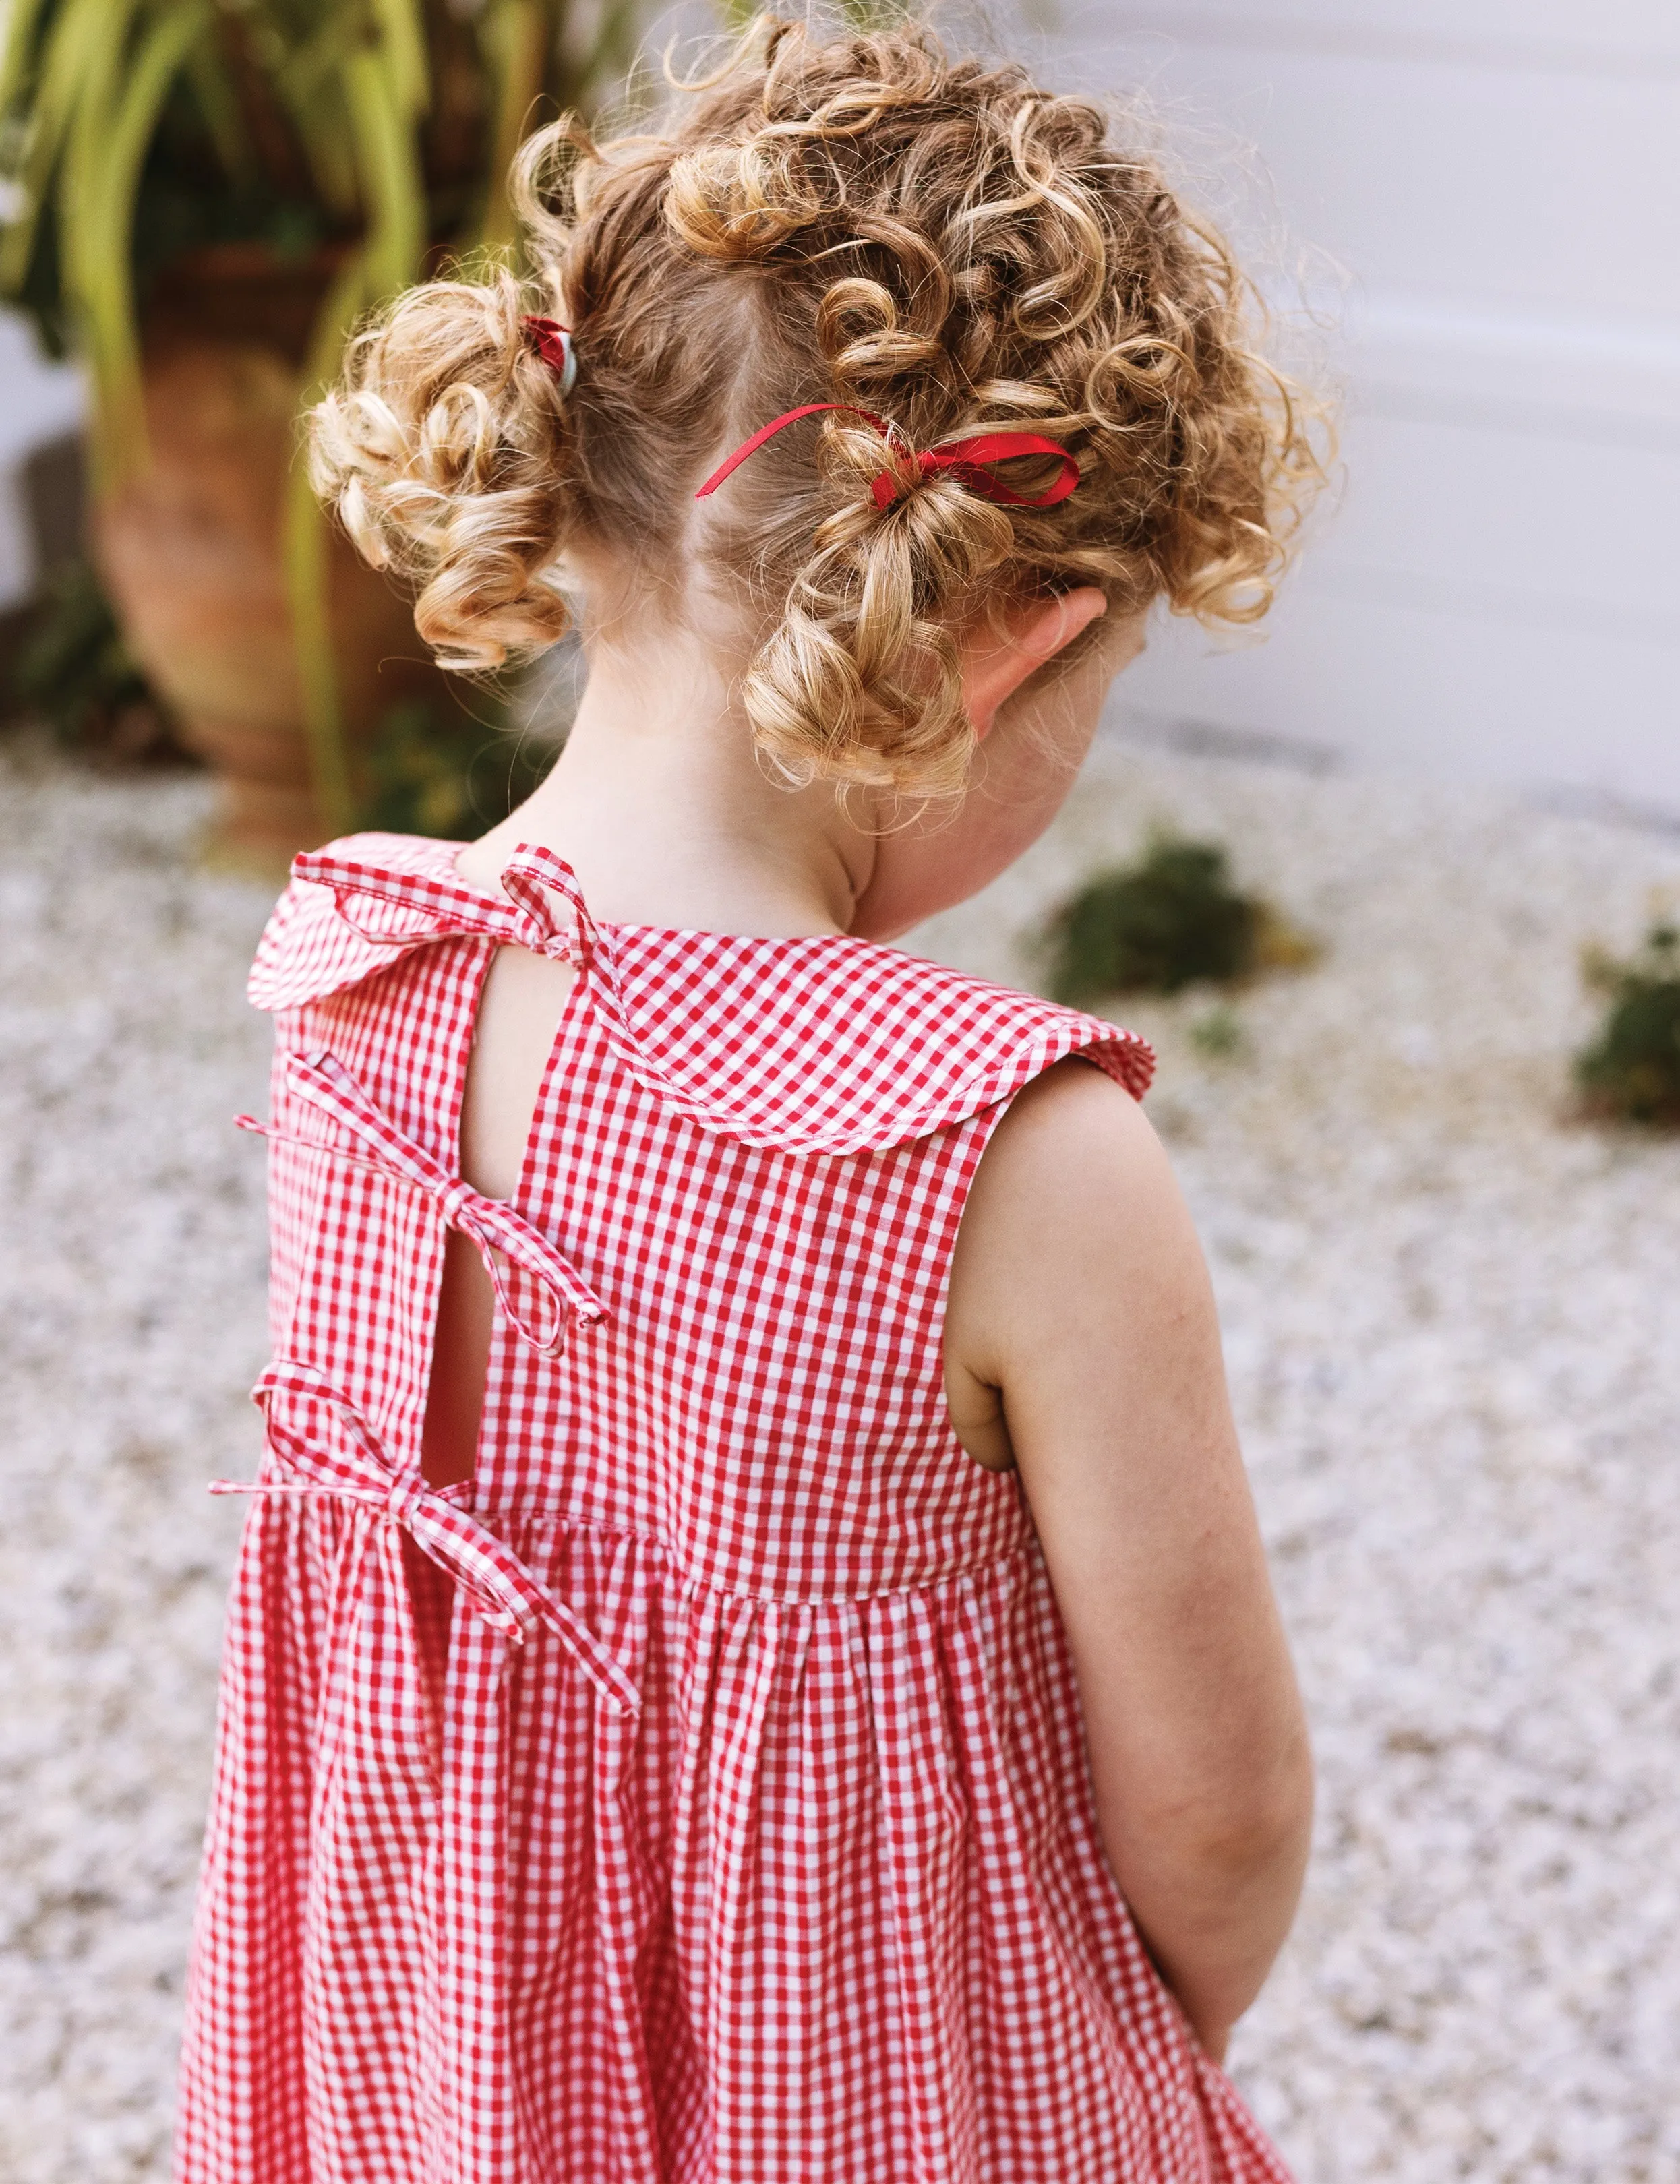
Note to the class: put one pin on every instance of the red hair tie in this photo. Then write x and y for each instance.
(553, 343)
(969, 460)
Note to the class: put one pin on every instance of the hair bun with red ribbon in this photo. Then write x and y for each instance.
(553, 343)
(969, 460)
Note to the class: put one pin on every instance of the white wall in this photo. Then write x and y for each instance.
(38, 402)
(1500, 181)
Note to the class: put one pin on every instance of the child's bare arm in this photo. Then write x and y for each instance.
(1082, 1326)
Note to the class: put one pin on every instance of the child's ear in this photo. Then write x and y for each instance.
(994, 669)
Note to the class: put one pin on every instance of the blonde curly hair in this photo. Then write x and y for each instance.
(861, 221)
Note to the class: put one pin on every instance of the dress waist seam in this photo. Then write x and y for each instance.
(502, 1521)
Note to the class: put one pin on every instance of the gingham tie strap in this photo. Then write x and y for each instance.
(502, 1237)
(509, 1597)
(419, 905)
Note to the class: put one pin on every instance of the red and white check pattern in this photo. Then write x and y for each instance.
(699, 1797)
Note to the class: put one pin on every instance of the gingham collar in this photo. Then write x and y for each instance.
(820, 1044)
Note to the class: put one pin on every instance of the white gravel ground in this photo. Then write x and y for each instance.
(1452, 1328)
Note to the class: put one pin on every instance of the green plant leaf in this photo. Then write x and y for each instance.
(514, 38)
(95, 289)
(307, 68)
(101, 181)
(402, 34)
(212, 93)
(305, 539)
(308, 81)
(16, 55)
(387, 160)
(82, 48)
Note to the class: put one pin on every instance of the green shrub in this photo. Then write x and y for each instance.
(74, 672)
(1631, 1072)
(1167, 922)
(1219, 1033)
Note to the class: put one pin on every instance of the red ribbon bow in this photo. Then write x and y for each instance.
(553, 343)
(968, 461)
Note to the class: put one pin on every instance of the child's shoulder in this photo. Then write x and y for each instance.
(819, 1044)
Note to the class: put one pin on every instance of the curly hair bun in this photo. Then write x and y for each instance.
(866, 223)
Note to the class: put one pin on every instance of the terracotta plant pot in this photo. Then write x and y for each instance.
(191, 554)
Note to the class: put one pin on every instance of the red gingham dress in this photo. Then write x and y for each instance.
(697, 1795)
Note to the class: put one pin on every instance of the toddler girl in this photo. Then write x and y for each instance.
(751, 1661)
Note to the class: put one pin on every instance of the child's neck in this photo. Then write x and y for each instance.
(660, 804)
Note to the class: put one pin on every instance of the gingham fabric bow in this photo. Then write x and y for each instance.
(421, 904)
(502, 1237)
(509, 1597)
